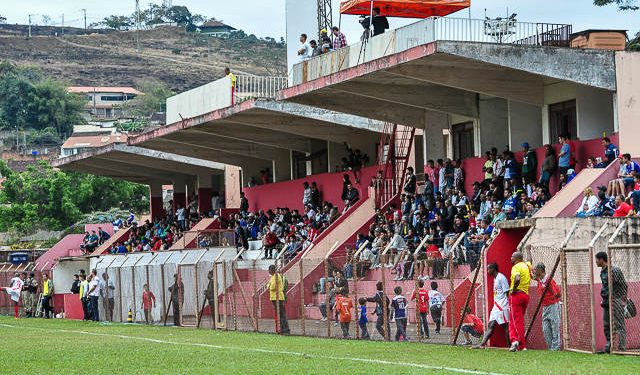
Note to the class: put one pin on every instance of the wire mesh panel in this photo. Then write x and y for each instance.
(624, 280)
(140, 279)
(191, 295)
(114, 274)
(577, 269)
(543, 319)
(157, 285)
(173, 289)
(127, 288)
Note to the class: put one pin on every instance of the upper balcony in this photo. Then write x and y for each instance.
(499, 31)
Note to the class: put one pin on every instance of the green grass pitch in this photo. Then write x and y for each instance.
(36, 346)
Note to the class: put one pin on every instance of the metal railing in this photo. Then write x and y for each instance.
(258, 87)
(499, 30)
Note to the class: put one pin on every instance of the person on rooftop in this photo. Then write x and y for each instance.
(339, 39)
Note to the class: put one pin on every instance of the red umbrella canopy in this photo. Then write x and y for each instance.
(404, 8)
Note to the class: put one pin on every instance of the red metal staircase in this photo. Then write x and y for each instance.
(393, 154)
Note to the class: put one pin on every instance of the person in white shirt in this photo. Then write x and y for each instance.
(14, 290)
(305, 50)
(436, 300)
(94, 294)
(589, 205)
(500, 312)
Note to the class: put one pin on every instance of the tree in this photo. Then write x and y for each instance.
(179, 14)
(3, 19)
(622, 4)
(44, 198)
(117, 22)
(154, 98)
(46, 20)
(29, 100)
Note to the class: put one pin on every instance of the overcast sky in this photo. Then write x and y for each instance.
(266, 17)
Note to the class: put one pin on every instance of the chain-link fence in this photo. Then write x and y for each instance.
(29, 302)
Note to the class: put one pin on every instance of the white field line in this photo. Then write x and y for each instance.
(266, 351)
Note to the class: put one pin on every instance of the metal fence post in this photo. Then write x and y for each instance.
(302, 308)
(326, 291)
(354, 272)
(256, 296)
(276, 277)
(234, 310)
(385, 305)
(214, 309)
(224, 294)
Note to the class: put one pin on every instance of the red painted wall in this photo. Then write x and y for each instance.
(499, 252)
(72, 306)
(289, 193)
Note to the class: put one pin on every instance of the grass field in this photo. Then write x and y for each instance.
(35, 346)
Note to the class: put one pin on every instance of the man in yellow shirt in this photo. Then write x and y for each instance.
(227, 72)
(518, 300)
(276, 295)
(47, 295)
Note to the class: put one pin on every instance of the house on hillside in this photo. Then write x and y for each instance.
(215, 28)
(105, 102)
(87, 137)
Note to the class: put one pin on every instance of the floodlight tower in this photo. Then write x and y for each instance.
(325, 15)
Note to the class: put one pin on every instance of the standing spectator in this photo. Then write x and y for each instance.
(548, 167)
(13, 290)
(399, 305)
(550, 307)
(176, 291)
(410, 182)
(306, 194)
(244, 204)
(315, 195)
(317, 50)
(611, 152)
(232, 77)
(487, 168)
(500, 311)
(330, 300)
(421, 296)
(148, 303)
(436, 299)
(276, 295)
(519, 300)
(75, 286)
(617, 292)
(210, 294)
(304, 52)
(362, 318)
(529, 164)
(343, 307)
(564, 157)
(30, 295)
(94, 294)
(339, 39)
(108, 300)
(382, 304)
(380, 23)
(181, 216)
(84, 296)
(47, 294)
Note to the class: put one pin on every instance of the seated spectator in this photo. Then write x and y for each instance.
(623, 209)
(634, 195)
(616, 186)
(351, 197)
(590, 204)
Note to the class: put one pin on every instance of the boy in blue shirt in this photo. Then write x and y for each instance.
(362, 318)
(399, 305)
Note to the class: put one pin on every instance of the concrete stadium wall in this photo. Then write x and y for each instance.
(200, 100)
(289, 193)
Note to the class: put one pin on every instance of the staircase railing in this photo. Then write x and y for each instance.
(396, 142)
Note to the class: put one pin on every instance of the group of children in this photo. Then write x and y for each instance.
(426, 302)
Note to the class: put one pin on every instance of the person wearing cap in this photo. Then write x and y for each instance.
(339, 39)
(529, 164)
(324, 38)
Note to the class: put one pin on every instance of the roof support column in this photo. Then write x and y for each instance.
(282, 166)
(156, 208)
(205, 192)
(179, 194)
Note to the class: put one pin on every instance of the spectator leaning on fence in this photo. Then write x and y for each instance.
(550, 307)
(339, 39)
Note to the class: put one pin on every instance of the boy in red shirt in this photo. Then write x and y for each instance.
(471, 326)
(623, 208)
(344, 307)
(550, 308)
(421, 296)
(148, 302)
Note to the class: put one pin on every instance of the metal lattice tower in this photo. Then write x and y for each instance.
(325, 15)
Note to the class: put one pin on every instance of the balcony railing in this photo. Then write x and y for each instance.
(501, 31)
(258, 87)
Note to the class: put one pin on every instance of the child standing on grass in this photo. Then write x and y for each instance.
(148, 302)
(436, 299)
(344, 306)
(362, 318)
(399, 305)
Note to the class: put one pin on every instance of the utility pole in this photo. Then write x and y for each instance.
(138, 26)
(62, 24)
(85, 17)
(31, 15)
